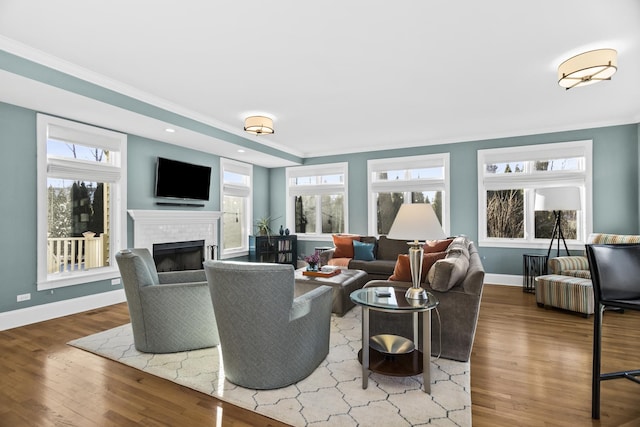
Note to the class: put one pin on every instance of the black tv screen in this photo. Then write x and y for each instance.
(182, 180)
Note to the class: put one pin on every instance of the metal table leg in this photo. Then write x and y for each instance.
(426, 350)
(365, 347)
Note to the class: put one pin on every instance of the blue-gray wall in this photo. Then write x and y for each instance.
(18, 203)
(616, 200)
(615, 185)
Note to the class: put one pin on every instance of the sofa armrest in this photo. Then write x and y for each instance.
(559, 264)
(325, 256)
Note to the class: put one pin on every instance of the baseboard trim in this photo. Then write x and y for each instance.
(40, 313)
(503, 279)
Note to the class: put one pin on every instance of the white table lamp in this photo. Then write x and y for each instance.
(416, 222)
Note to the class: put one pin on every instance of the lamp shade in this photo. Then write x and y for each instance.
(416, 221)
(258, 125)
(588, 68)
(558, 199)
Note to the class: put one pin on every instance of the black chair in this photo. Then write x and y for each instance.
(615, 274)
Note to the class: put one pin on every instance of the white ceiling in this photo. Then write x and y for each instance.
(336, 76)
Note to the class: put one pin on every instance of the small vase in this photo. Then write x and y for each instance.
(281, 231)
(312, 267)
(286, 231)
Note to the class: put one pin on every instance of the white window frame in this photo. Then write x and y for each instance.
(115, 173)
(237, 190)
(529, 180)
(408, 186)
(317, 190)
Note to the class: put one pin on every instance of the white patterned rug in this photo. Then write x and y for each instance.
(331, 396)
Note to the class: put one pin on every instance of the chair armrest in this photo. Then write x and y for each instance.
(170, 293)
(559, 264)
(182, 276)
(305, 303)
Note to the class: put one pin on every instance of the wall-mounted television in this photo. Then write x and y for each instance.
(180, 180)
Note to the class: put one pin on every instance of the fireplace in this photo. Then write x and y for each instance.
(179, 256)
(153, 227)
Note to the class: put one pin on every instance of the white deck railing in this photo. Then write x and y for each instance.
(66, 254)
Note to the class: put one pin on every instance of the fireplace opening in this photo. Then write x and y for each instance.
(179, 256)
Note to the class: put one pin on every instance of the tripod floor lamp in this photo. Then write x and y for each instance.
(557, 199)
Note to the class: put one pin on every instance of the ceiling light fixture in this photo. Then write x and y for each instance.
(170, 130)
(258, 125)
(588, 68)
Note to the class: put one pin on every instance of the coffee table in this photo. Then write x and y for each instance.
(341, 284)
(391, 354)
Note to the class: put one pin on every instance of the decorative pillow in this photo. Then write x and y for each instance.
(448, 272)
(402, 270)
(436, 245)
(363, 251)
(344, 245)
(459, 244)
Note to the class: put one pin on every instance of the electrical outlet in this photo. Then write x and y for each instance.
(24, 297)
(115, 282)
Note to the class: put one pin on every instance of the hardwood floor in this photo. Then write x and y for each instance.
(529, 367)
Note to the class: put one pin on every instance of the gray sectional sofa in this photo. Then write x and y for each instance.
(385, 251)
(451, 337)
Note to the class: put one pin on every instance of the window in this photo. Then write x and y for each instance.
(507, 180)
(81, 202)
(237, 181)
(415, 179)
(317, 199)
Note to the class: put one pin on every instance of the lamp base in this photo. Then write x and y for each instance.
(416, 294)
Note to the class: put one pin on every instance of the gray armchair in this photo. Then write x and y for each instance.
(268, 338)
(170, 311)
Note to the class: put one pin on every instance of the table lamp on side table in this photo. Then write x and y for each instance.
(415, 222)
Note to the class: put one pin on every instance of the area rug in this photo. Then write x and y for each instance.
(331, 396)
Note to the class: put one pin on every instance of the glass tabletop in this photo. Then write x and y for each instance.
(391, 299)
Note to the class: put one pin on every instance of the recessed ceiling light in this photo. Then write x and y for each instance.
(240, 150)
(170, 130)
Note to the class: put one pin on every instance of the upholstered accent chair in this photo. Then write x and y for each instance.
(568, 286)
(170, 311)
(268, 338)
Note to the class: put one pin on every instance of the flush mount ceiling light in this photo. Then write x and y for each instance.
(588, 68)
(258, 125)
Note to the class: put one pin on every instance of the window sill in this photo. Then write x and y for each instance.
(234, 254)
(315, 237)
(78, 278)
(573, 245)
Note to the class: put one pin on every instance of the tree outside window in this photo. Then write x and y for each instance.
(508, 179)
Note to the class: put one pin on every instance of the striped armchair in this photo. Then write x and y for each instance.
(569, 284)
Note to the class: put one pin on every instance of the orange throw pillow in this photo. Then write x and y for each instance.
(402, 270)
(431, 246)
(344, 245)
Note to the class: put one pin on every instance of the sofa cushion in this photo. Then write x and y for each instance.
(431, 246)
(363, 251)
(378, 267)
(344, 245)
(448, 272)
(402, 270)
(340, 262)
(389, 249)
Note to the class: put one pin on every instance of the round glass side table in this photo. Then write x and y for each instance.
(390, 354)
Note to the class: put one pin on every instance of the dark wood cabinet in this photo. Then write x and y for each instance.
(279, 249)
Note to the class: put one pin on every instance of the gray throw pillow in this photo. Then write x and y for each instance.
(448, 272)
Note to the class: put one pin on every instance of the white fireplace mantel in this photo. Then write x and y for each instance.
(165, 226)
